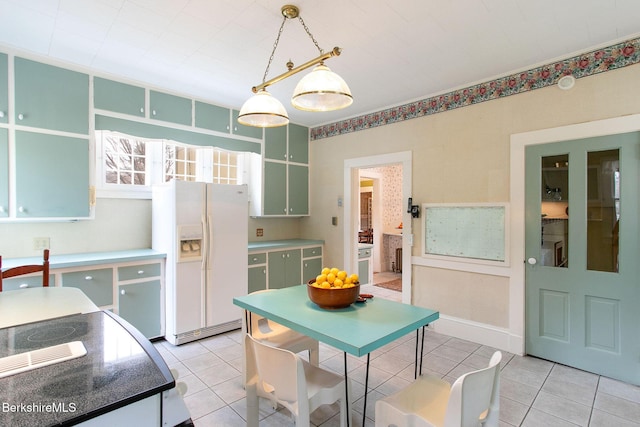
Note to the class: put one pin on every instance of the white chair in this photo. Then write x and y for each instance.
(281, 376)
(473, 400)
(277, 335)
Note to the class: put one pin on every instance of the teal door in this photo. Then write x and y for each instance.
(582, 244)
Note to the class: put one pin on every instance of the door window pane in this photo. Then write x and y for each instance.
(603, 210)
(555, 211)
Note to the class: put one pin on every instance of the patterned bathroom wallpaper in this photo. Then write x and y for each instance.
(391, 195)
(584, 65)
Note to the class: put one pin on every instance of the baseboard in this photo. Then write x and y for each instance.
(492, 336)
(203, 333)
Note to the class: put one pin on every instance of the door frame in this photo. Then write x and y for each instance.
(351, 202)
(377, 213)
(518, 143)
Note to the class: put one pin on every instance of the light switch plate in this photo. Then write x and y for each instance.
(41, 243)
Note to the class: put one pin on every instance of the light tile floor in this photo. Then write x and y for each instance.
(534, 392)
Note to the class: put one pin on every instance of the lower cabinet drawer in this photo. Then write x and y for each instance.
(364, 253)
(24, 282)
(96, 284)
(142, 271)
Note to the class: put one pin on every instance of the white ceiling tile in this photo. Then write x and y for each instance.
(393, 50)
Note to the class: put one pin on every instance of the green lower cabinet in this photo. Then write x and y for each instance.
(96, 284)
(311, 268)
(139, 304)
(257, 278)
(285, 268)
(52, 176)
(363, 271)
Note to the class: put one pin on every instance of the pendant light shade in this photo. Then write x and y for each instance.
(263, 110)
(321, 90)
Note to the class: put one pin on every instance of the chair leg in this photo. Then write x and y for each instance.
(314, 357)
(253, 409)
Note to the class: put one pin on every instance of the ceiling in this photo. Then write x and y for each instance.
(393, 51)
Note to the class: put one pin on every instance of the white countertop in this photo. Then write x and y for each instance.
(35, 304)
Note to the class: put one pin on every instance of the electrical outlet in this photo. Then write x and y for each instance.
(41, 243)
(259, 232)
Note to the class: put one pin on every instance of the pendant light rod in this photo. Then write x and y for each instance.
(335, 52)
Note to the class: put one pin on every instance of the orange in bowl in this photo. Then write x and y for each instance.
(332, 298)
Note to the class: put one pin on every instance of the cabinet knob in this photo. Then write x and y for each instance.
(140, 271)
(254, 259)
(20, 116)
(22, 209)
(88, 277)
(23, 285)
(153, 112)
(123, 292)
(1, 114)
(141, 110)
(2, 209)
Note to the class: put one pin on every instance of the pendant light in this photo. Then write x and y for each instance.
(320, 90)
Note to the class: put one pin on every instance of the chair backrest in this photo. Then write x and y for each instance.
(28, 269)
(475, 397)
(277, 372)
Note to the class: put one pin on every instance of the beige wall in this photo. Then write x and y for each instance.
(461, 156)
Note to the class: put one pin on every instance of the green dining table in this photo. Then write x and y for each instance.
(358, 329)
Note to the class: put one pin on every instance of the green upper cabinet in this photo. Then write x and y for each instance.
(294, 149)
(212, 117)
(298, 144)
(275, 143)
(275, 188)
(49, 97)
(52, 176)
(298, 190)
(118, 97)
(4, 174)
(4, 89)
(170, 108)
(238, 129)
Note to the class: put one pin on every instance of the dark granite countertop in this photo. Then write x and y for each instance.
(121, 367)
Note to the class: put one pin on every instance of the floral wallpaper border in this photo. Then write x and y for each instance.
(587, 64)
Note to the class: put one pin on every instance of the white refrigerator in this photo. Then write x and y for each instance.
(203, 229)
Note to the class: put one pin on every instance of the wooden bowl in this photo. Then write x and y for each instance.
(333, 298)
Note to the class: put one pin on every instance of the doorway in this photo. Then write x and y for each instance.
(353, 169)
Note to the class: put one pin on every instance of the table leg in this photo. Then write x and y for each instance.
(415, 366)
(366, 388)
(346, 388)
(415, 369)
(422, 348)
